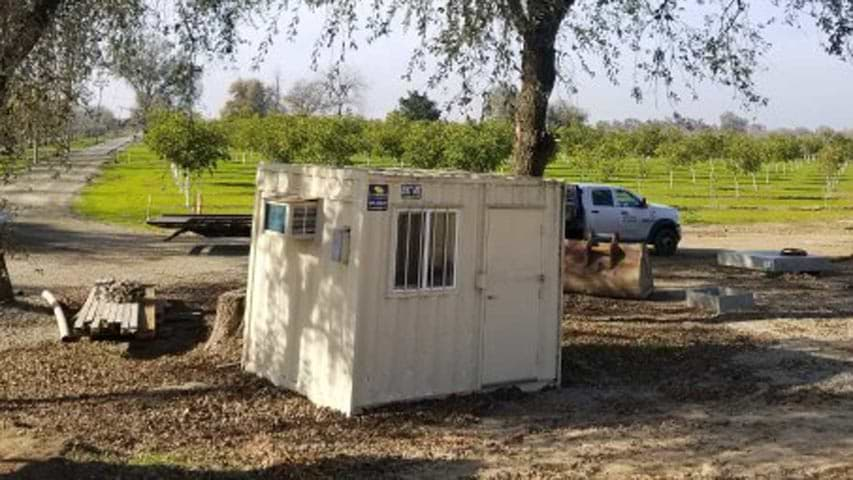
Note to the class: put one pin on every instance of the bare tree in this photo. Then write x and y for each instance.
(345, 87)
(337, 91)
(308, 97)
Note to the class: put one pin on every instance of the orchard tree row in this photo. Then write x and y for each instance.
(603, 151)
(338, 140)
(733, 152)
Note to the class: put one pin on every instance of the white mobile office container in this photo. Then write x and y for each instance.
(374, 286)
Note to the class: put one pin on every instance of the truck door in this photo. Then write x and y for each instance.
(602, 216)
(634, 220)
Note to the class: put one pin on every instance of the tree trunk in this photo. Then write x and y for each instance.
(229, 318)
(534, 145)
(4, 84)
(35, 150)
(754, 183)
(187, 194)
(33, 24)
(7, 294)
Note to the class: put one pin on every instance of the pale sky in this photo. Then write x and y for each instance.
(805, 86)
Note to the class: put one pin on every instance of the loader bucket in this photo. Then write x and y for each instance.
(607, 269)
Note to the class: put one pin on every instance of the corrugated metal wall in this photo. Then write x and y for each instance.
(415, 345)
(301, 331)
(341, 334)
(430, 344)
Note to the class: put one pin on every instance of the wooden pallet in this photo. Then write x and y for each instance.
(100, 318)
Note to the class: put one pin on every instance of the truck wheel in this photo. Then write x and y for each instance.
(666, 242)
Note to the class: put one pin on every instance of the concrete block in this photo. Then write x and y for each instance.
(720, 299)
(773, 262)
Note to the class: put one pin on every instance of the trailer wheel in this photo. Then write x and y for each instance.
(666, 242)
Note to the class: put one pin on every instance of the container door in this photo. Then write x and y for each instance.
(513, 283)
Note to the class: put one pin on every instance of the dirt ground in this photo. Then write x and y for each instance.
(650, 389)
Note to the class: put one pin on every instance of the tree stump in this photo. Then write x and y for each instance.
(7, 294)
(229, 318)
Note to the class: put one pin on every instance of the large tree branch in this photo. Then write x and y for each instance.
(517, 15)
(32, 26)
(20, 41)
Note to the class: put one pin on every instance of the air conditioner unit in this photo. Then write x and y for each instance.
(292, 218)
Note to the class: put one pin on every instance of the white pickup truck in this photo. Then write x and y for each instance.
(599, 211)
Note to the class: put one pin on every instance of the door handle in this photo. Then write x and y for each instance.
(490, 297)
(594, 211)
(624, 212)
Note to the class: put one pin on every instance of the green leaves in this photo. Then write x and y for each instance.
(478, 147)
(192, 144)
(834, 155)
(743, 153)
(423, 145)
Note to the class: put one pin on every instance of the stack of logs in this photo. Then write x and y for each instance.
(116, 308)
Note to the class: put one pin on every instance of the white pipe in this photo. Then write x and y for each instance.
(61, 322)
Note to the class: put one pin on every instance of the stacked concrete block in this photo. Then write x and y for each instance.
(720, 300)
(772, 261)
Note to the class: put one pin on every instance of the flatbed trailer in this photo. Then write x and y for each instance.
(209, 226)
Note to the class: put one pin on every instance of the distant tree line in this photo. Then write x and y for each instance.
(337, 91)
(307, 124)
(312, 122)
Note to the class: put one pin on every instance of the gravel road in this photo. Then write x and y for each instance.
(61, 251)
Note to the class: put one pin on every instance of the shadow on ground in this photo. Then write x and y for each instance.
(214, 250)
(337, 467)
(46, 238)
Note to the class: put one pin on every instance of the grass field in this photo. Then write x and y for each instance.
(122, 192)
(795, 193)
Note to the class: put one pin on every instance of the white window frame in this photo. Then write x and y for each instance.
(424, 290)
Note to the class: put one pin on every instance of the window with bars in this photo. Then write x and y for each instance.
(425, 257)
(304, 219)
